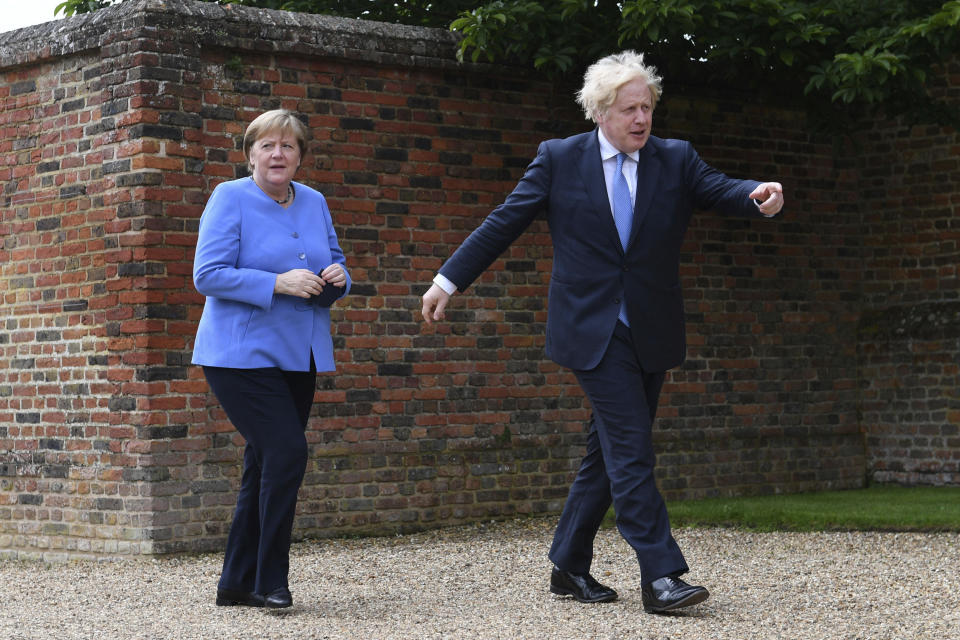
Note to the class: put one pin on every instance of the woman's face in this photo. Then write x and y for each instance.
(275, 157)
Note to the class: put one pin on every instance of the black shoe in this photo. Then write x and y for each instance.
(669, 593)
(279, 598)
(581, 586)
(231, 598)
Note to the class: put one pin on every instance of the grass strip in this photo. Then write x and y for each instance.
(877, 508)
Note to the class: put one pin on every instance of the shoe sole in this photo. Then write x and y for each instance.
(694, 598)
(228, 602)
(566, 592)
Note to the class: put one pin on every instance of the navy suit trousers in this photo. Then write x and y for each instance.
(270, 408)
(618, 468)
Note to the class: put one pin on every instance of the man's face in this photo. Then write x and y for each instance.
(626, 124)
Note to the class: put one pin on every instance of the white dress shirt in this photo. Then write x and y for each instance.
(609, 153)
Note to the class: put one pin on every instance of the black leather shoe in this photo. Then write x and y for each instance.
(669, 593)
(581, 586)
(279, 598)
(231, 598)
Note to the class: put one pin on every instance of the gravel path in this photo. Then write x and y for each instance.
(490, 581)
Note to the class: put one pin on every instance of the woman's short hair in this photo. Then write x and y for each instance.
(278, 120)
(605, 77)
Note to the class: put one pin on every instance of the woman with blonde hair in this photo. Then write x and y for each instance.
(270, 266)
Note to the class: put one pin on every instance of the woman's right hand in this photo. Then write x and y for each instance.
(301, 283)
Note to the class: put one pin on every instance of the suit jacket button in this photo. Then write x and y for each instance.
(616, 301)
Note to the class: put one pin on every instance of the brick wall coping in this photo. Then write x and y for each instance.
(233, 26)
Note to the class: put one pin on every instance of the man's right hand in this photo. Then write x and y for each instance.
(434, 302)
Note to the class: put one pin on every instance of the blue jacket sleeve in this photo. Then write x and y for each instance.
(332, 294)
(215, 271)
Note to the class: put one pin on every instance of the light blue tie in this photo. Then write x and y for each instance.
(622, 203)
(622, 217)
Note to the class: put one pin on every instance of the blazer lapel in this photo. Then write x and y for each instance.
(648, 173)
(591, 171)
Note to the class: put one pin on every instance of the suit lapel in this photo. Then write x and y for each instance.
(648, 173)
(591, 171)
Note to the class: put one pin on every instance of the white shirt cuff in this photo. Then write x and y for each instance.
(765, 215)
(441, 281)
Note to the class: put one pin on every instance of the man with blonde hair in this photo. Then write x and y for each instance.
(618, 201)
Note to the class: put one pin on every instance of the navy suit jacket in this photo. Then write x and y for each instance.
(591, 271)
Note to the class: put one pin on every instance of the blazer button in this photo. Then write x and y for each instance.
(616, 301)
(302, 256)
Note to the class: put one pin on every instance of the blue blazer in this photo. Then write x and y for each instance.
(591, 271)
(245, 240)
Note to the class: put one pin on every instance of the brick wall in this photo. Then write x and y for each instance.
(67, 476)
(117, 125)
(908, 346)
(766, 401)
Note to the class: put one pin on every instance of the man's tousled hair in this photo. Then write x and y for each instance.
(605, 77)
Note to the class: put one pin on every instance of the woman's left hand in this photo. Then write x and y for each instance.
(334, 275)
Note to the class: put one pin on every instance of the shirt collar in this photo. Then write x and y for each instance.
(608, 151)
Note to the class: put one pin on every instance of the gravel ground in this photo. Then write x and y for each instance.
(490, 581)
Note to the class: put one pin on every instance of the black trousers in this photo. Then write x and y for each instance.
(269, 408)
(618, 468)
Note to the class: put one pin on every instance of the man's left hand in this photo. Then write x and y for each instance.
(770, 197)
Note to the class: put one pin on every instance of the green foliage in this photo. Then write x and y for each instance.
(425, 13)
(554, 36)
(71, 7)
(234, 66)
(843, 58)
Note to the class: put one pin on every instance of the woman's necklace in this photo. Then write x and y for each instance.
(289, 195)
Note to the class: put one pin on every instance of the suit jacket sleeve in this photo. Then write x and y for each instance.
(713, 190)
(504, 224)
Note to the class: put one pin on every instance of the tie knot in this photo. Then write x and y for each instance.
(621, 157)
